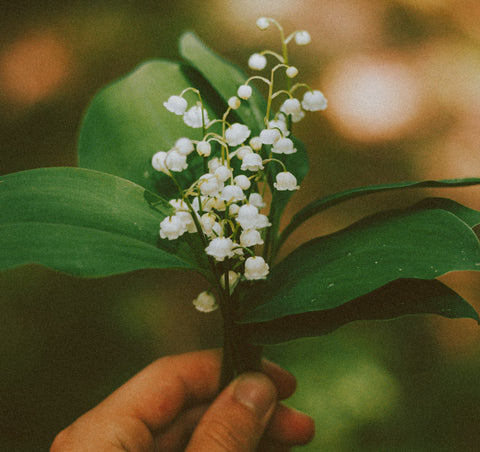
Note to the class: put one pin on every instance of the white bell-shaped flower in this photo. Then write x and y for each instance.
(213, 164)
(302, 37)
(250, 237)
(207, 221)
(286, 181)
(205, 302)
(314, 101)
(179, 205)
(172, 227)
(233, 209)
(232, 193)
(255, 199)
(269, 136)
(236, 134)
(176, 104)
(255, 143)
(261, 222)
(184, 146)
(257, 62)
(284, 146)
(158, 162)
(241, 152)
(187, 219)
(223, 173)
(244, 92)
(247, 216)
(291, 106)
(252, 162)
(242, 181)
(256, 268)
(193, 117)
(209, 184)
(204, 148)
(281, 124)
(220, 248)
(175, 161)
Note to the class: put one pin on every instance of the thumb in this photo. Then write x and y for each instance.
(237, 419)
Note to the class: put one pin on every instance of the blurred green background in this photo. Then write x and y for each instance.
(403, 83)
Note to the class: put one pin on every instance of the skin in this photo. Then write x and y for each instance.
(174, 405)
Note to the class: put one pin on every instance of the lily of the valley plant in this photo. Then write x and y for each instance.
(177, 164)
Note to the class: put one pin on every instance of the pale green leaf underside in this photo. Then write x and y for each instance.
(332, 270)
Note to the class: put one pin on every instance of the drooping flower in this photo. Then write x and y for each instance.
(291, 71)
(291, 106)
(255, 199)
(220, 248)
(242, 181)
(244, 92)
(176, 104)
(204, 148)
(205, 302)
(302, 37)
(236, 134)
(269, 136)
(256, 268)
(193, 117)
(314, 101)
(175, 161)
(158, 162)
(252, 162)
(250, 237)
(284, 146)
(223, 173)
(234, 102)
(233, 280)
(257, 62)
(184, 146)
(209, 184)
(263, 23)
(286, 181)
(247, 216)
(172, 227)
(232, 193)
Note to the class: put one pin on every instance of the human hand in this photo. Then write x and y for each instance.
(173, 405)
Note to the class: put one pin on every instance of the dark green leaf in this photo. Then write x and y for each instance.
(82, 222)
(332, 270)
(127, 123)
(398, 298)
(319, 205)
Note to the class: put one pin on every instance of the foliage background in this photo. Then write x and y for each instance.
(403, 81)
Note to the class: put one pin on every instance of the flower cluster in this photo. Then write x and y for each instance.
(224, 204)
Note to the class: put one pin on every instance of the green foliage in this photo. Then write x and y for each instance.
(98, 223)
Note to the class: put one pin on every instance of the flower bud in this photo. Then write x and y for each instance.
(242, 181)
(257, 62)
(234, 102)
(184, 146)
(244, 92)
(158, 162)
(302, 37)
(204, 148)
(291, 71)
(263, 23)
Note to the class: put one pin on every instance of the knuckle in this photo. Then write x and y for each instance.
(226, 436)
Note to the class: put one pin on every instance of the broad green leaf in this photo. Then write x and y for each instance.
(335, 269)
(127, 123)
(82, 222)
(398, 298)
(319, 205)
(224, 77)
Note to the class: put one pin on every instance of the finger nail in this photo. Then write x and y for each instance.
(256, 392)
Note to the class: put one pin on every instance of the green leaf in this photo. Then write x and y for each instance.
(82, 222)
(398, 298)
(335, 269)
(127, 123)
(225, 78)
(319, 205)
